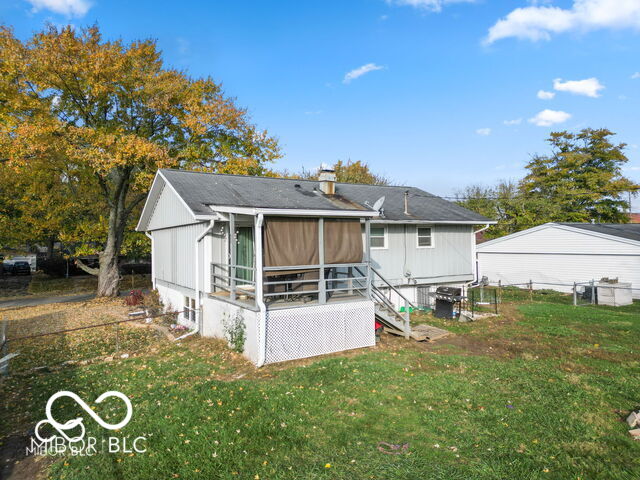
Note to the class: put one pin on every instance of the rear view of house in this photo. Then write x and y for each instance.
(559, 254)
(300, 267)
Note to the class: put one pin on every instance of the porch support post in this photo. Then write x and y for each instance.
(258, 274)
(259, 279)
(232, 256)
(322, 285)
(367, 250)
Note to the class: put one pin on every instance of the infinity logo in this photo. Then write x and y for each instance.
(71, 424)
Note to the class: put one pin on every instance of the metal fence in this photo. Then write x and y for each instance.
(50, 349)
(480, 300)
(593, 292)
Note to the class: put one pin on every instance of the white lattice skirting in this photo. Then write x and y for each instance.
(308, 331)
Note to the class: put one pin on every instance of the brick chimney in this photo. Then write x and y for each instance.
(327, 179)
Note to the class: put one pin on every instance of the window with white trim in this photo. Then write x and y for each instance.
(378, 237)
(425, 237)
(189, 312)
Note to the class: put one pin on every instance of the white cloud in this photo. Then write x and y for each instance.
(542, 95)
(635, 76)
(184, 45)
(541, 22)
(71, 8)
(358, 72)
(589, 87)
(484, 132)
(516, 121)
(547, 117)
(430, 5)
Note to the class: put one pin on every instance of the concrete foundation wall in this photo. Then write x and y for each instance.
(215, 313)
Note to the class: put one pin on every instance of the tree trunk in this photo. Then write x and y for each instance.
(50, 241)
(109, 276)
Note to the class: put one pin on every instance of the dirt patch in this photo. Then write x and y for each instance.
(14, 462)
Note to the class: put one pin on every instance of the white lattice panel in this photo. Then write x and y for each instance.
(302, 332)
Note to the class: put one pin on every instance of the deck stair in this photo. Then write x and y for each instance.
(385, 310)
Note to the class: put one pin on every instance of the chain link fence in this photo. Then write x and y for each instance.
(64, 337)
(591, 293)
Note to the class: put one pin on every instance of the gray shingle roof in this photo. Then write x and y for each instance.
(630, 231)
(202, 189)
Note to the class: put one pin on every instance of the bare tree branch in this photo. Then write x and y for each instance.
(83, 266)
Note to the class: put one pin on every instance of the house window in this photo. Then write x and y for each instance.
(189, 312)
(378, 237)
(425, 237)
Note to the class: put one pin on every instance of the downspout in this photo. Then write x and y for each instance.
(482, 229)
(197, 289)
(474, 255)
(262, 309)
(153, 268)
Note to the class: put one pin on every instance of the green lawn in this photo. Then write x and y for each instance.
(538, 393)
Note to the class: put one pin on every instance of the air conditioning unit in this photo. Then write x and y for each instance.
(615, 294)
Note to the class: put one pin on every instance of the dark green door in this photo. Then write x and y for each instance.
(244, 253)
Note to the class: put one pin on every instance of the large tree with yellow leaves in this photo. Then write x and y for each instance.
(85, 123)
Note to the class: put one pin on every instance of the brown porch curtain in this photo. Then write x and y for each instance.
(290, 241)
(342, 241)
(294, 241)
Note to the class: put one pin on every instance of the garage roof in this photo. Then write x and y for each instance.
(630, 231)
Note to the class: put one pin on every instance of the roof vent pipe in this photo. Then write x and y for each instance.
(406, 202)
(327, 180)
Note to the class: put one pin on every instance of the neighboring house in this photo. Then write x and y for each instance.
(634, 218)
(564, 253)
(309, 263)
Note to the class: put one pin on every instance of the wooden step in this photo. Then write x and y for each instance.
(422, 333)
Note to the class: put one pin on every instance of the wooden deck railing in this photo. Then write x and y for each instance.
(285, 285)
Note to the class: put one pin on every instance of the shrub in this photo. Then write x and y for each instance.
(235, 331)
(134, 298)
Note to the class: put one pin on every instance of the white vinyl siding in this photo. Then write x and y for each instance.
(169, 211)
(560, 239)
(174, 255)
(449, 260)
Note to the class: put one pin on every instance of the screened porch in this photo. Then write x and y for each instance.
(285, 262)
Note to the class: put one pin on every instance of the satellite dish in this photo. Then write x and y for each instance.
(378, 205)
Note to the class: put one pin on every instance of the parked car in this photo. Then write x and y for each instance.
(19, 267)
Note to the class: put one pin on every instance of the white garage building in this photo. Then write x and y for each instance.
(564, 253)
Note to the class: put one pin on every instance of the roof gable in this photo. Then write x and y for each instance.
(164, 208)
(573, 227)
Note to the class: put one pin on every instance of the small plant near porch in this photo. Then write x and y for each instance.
(235, 331)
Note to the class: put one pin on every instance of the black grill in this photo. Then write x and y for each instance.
(446, 297)
(451, 294)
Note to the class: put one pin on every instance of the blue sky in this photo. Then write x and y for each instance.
(442, 93)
